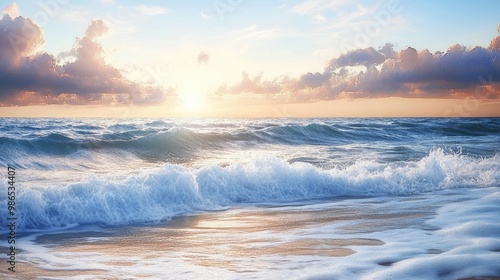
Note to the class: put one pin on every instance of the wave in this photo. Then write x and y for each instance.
(170, 138)
(160, 194)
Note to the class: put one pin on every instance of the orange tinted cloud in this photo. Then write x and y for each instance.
(458, 72)
(85, 78)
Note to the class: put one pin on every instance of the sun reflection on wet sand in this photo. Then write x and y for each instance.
(238, 240)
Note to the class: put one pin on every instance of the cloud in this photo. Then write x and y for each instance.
(458, 72)
(319, 18)
(495, 43)
(358, 57)
(18, 38)
(206, 16)
(89, 56)
(79, 16)
(247, 85)
(312, 80)
(312, 7)
(150, 10)
(337, 14)
(388, 51)
(85, 78)
(253, 32)
(12, 10)
(203, 58)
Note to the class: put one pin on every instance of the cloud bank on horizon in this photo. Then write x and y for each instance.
(458, 72)
(81, 75)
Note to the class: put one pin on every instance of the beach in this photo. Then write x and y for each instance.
(362, 238)
(235, 140)
(254, 199)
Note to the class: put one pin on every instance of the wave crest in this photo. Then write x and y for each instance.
(156, 195)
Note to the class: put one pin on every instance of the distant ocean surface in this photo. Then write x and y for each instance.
(112, 174)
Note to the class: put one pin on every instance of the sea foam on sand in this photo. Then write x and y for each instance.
(451, 234)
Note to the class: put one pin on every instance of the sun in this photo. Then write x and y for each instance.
(193, 99)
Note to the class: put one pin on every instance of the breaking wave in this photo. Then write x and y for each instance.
(159, 194)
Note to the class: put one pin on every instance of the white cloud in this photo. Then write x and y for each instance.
(255, 33)
(358, 17)
(12, 10)
(205, 16)
(312, 7)
(74, 16)
(319, 18)
(151, 10)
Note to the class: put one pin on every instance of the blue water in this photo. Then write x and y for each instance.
(135, 198)
(112, 172)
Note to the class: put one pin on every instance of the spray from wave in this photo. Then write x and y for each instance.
(159, 194)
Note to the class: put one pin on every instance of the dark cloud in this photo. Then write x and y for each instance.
(18, 38)
(311, 80)
(28, 78)
(388, 51)
(358, 57)
(458, 72)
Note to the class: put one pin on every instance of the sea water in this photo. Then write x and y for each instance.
(379, 198)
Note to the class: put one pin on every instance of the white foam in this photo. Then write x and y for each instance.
(465, 244)
(154, 195)
(457, 237)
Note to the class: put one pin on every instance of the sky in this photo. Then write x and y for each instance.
(242, 58)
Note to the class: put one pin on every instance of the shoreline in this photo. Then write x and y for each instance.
(222, 239)
(377, 237)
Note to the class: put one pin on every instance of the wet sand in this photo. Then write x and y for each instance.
(227, 239)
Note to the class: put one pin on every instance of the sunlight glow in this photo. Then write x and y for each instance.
(193, 99)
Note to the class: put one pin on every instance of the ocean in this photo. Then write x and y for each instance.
(327, 198)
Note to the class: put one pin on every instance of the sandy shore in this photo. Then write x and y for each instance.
(373, 237)
(226, 239)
